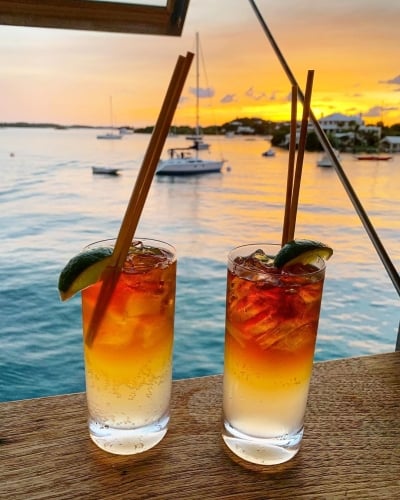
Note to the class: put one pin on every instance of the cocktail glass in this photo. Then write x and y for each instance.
(271, 328)
(128, 364)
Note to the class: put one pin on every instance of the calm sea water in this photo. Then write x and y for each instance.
(51, 206)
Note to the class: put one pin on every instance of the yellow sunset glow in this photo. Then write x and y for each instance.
(66, 77)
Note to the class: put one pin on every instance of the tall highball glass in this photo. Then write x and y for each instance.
(128, 364)
(271, 328)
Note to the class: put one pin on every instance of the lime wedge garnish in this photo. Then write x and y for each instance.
(83, 270)
(301, 251)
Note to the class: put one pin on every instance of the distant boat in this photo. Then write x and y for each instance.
(374, 157)
(105, 171)
(110, 135)
(126, 130)
(197, 136)
(200, 145)
(181, 162)
(326, 160)
(270, 152)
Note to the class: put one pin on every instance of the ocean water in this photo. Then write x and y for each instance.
(51, 206)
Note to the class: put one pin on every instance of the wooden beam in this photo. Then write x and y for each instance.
(93, 15)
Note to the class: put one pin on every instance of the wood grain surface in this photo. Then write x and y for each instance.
(351, 447)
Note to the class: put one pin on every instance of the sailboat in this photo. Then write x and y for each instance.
(110, 135)
(326, 160)
(181, 161)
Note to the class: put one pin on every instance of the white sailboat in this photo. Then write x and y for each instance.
(181, 161)
(110, 135)
(326, 160)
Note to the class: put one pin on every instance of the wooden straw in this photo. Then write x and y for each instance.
(291, 163)
(300, 156)
(140, 192)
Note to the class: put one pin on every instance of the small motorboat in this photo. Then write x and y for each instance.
(374, 157)
(126, 131)
(270, 152)
(105, 170)
(110, 136)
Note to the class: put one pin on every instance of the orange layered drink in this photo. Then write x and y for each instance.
(128, 363)
(272, 318)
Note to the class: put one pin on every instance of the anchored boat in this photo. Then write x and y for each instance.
(181, 162)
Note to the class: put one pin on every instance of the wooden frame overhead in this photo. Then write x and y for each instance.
(94, 15)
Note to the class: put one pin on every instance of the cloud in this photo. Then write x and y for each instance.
(373, 112)
(376, 111)
(392, 81)
(202, 92)
(228, 98)
(253, 95)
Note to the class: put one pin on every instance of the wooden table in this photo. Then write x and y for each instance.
(351, 446)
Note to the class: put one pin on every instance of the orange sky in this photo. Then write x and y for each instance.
(67, 76)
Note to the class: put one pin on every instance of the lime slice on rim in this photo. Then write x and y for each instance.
(83, 270)
(301, 251)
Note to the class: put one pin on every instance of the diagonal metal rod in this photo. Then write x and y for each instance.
(380, 249)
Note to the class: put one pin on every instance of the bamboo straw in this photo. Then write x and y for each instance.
(291, 163)
(140, 192)
(300, 155)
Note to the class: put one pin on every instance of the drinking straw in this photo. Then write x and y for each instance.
(140, 192)
(369, 228)
(291, 163)
(300, 156)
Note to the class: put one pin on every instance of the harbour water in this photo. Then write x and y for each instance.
(51, 206)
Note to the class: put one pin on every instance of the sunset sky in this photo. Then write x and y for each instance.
(67, 77)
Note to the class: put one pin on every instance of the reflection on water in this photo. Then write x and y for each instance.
(52, 205)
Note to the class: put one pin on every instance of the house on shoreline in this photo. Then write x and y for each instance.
(390, 144)
(345, 131)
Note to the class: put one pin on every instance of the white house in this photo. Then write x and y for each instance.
(243, 129)
(337, 122)
(337, 125)
(391, 143)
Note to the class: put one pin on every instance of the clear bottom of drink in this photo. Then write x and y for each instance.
(265, 398)
(128, 413)
(265, 391)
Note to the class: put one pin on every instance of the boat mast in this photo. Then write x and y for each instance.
(111, 114)
(197, 86)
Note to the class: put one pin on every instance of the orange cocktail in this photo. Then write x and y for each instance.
(128, 365)
(271, 327)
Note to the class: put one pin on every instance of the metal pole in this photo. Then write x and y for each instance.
(380, 249)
